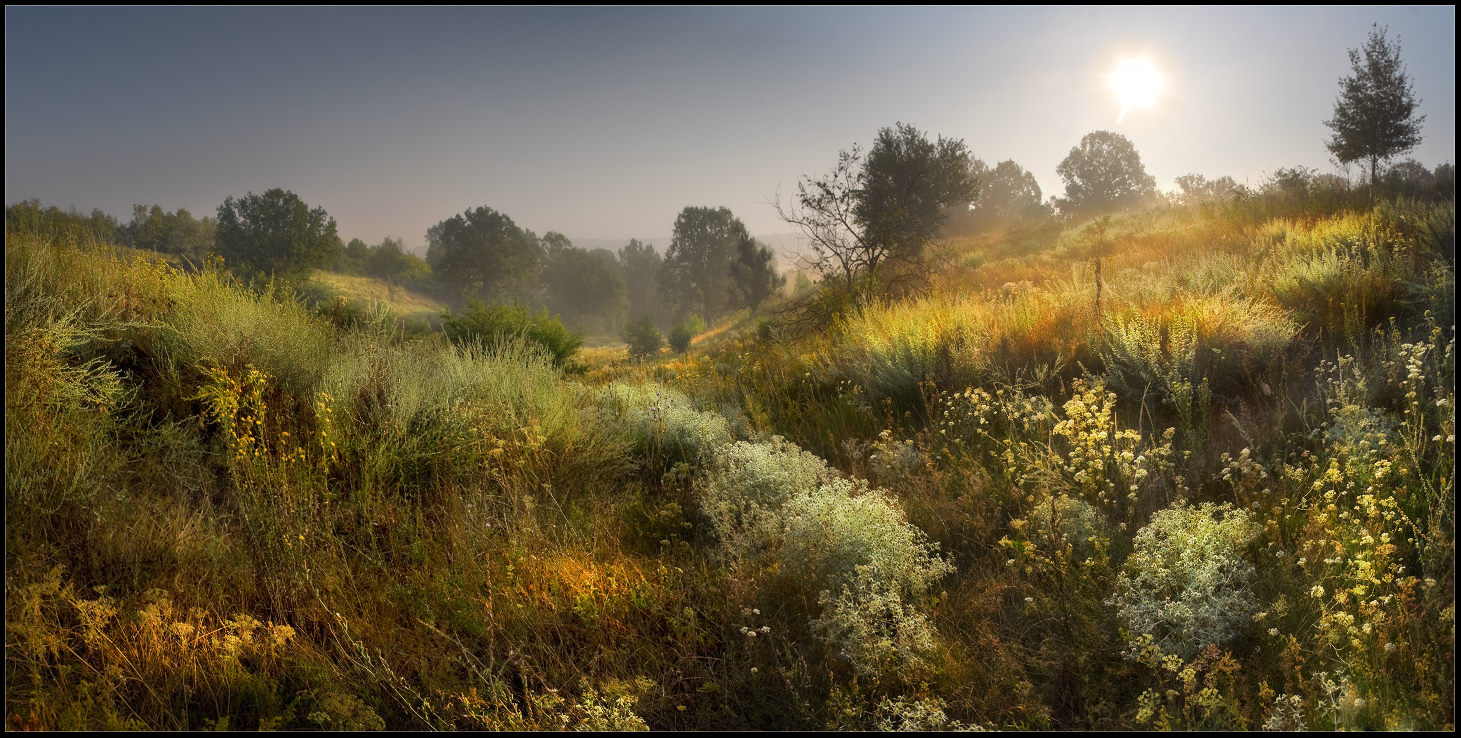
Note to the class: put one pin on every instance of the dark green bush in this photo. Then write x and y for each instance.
(643, 338)
(680, 338)
(491, 325)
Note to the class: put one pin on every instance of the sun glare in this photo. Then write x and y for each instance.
(1137, 82)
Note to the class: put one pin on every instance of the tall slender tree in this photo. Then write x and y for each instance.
(1374, 115)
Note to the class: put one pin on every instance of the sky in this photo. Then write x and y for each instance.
(603, 123)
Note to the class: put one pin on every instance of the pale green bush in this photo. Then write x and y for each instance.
(746, 482)
(873, 627)
(844, 530)
(657, 418)
(908, 715)
(781, 513)
(1188, 583)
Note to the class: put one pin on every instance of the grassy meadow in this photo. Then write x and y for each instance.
(1211, 488)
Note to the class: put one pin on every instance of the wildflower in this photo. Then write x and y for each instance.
(1317, 591)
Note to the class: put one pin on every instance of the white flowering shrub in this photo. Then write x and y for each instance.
(793, 525)
(916, 715)
(873, 627)
(657, 418)
(1187, 582)
(746, 482)
(843, 530)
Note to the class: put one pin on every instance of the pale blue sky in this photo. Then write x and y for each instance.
(602, 123)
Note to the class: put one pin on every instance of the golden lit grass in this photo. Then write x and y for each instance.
(472, 540)
(366, 292)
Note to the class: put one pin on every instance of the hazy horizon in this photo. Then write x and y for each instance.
(602, 123)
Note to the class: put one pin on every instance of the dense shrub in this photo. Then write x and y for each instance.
(1187, 582)
(498, 323)
(643, 337)
(660, 420)
(680, 338)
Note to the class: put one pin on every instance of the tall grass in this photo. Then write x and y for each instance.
(993, 504)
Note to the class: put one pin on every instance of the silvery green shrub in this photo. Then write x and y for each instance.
(1187, 582)
(660, 418)
(780, 511)
(828, 533)
(913, 714)
(874, 627)
(745, 482)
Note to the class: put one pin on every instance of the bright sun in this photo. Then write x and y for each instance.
(1137, 82)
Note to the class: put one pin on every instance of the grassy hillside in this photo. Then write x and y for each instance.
(368, 293)
(1221, 497)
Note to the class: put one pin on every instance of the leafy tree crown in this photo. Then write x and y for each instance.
(1102, 174)
(1374, 115)
(275, 233)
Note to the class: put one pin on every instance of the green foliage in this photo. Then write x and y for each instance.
(169, 233)
(496, 324)
(1199, 346)
(698, 274)
(685, 331)
(1102, 174)
(1188, 582)
(680, 338)
(907, 184)
(869, 213)
(391, 263)
(51, 222)
(1007, 195)
(275, 233)
(1374, 115)
(382, 531)
(643, 337)
(482, 253)
(754, 274)
(640, 264)
(586, 286)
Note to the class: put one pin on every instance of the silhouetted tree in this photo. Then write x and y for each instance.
(697, 272)
(640, 265)
(1197, 189)
(1374, 115)
(1102, 174)
(275, 233)
(482, 252)
(1007, 195)
(865, 214)
(907, 184)
(754, 272)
